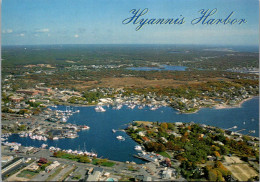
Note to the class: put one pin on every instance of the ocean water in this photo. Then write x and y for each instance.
(102, 140)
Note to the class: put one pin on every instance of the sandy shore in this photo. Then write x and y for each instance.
(225, 106)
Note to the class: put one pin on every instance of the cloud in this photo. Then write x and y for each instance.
(7, 31)
(44, 30)
(76, 35)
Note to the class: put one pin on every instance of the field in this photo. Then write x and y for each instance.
(239, 169)
(242, 171)
(27, 174)
(137, 82)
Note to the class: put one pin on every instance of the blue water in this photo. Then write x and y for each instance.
(101, 139)
(162, 68)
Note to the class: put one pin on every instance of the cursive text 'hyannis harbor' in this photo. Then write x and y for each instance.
(141, 22)
(207, 18)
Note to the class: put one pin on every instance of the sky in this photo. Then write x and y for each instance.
(29, 22)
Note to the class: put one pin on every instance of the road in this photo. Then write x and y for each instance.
(118, 168)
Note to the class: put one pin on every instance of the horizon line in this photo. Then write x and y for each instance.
(256, 45)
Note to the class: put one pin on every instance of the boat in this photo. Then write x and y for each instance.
(132, 106)
(120, 138)
(119, 107)
(251, 131)
(85, 127)
(55, 138)
(138, 148)
(64, 119)
(140, 107)
(113, 130)
(72, 135)
(44, 145)
(99, 109)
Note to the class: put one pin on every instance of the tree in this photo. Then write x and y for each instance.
(84, 159)
(216, 154)
(161, 148)
(171, 126)
(169, 145)
(164, 126)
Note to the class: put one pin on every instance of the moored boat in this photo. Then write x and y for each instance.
(120, 138)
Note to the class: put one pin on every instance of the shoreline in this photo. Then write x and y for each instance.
(216, 106)
(238, 105)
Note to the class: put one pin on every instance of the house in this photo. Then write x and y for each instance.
(211, 158)
(143, 178)
(168, 162)
(167, 174)
(6, 158)
(219, 142)
(33, 167)
(28, 92)
(52, 166)
(141, 133)
(16, 99)
(96, 174)
(43, 160)
(251, 143)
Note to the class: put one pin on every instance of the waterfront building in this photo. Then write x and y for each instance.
(15, 162)
(96, 174)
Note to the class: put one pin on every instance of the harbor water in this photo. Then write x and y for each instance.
(100, 138)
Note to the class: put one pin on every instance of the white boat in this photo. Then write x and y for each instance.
(72, 135)
(55, 138)
(64, 119)
(138, 148)
(85, 127)
(140, 107)
(154, 108)
(113, 130)
(120, 138)
(132, 106)
(119, 107)
(99, 109)
(33, 137)
(44, 145)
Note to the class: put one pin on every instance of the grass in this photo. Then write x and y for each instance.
(164, 154)
(108, 164)
(131, 168)
(105, 163)
(27, 174)
(76, 176)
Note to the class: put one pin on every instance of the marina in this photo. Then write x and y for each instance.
(106, 126)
